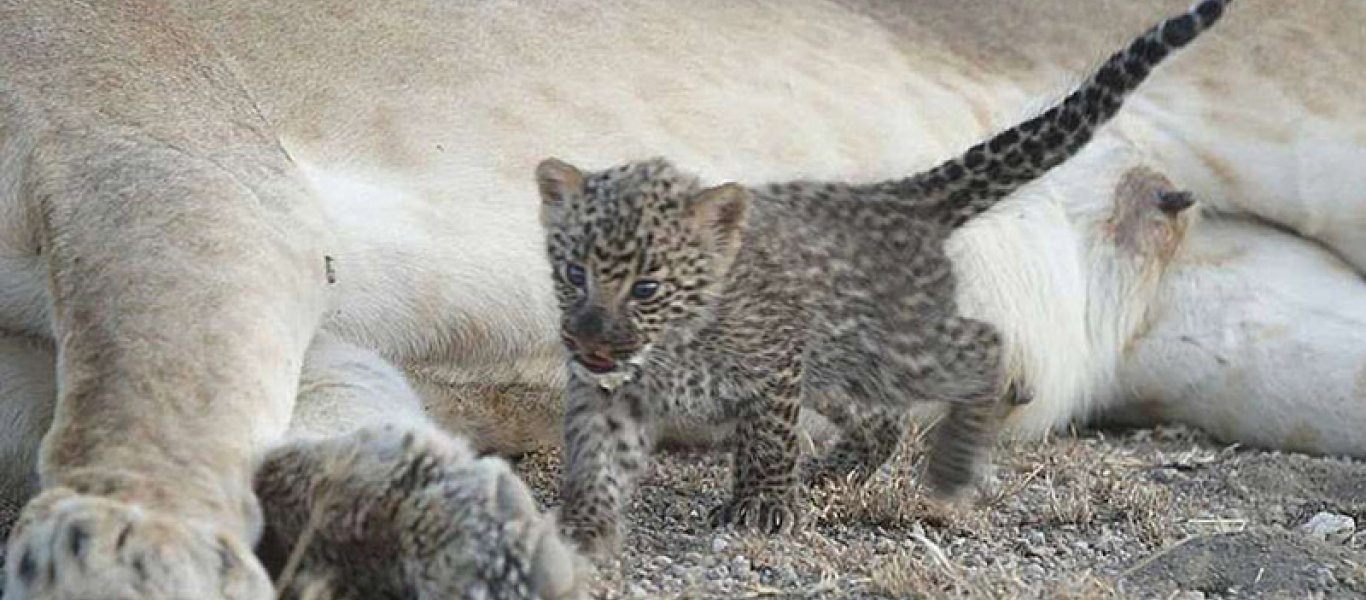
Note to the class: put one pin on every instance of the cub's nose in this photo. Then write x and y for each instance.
(588, 324)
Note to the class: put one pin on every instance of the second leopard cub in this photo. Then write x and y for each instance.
(741, 304)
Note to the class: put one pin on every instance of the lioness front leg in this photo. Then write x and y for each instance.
(185, 263)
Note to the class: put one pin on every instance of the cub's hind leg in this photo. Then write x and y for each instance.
(972, 381)
(869, 435)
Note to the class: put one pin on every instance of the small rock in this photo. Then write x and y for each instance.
(636, 591)
(719, 544)
(1036, 538)
(781, 575)
(1035, 572)
(1331, 527)
(1108, 543)
(1166, 475)
(1323, 576)
(1358, 541)
(692, 558)
(1190, 595)
(739, 564)
(661, 561)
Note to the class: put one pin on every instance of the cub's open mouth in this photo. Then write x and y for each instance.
(597, 364)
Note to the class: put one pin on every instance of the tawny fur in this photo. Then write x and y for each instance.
(187, 274)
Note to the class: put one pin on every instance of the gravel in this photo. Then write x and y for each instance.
(1163, 513)
(1330, 527)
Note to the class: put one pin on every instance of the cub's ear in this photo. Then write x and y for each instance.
(557, 181)
(722, 211)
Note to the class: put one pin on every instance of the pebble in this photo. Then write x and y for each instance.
(1331, 527)
(1358, 541)
(1325, 579)
(1166, 475)
(739, 564)
(719, 544)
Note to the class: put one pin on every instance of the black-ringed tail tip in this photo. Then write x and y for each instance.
(974, 181)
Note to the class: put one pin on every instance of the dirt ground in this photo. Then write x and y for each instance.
(1161, 513)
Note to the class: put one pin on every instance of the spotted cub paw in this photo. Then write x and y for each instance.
(819, 471)
(597, 538)
(761, 513)
(67, 545)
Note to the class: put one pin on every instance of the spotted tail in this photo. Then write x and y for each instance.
(974, 181)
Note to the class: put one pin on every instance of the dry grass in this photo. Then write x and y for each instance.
(930, 576)
(1078, 488)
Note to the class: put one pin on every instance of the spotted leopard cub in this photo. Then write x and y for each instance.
(732, 304)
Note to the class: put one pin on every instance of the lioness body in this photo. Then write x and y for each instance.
(418, 137)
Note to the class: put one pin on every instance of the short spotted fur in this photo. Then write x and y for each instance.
(735, 304)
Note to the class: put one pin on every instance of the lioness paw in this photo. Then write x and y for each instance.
(72, 546)
(395, 511)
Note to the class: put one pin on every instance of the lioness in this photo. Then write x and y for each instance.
(176, 176)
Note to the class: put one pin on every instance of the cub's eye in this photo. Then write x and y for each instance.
(576, 275)
(644, 289)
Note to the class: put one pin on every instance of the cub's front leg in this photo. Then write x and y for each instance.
(765, 494)
(607, 443)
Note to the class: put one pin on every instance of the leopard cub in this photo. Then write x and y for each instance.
(684, 303)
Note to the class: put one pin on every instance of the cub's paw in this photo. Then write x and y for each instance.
(73, 546)
(761, 513)
(393, 512)
(821, 471)
(597, 539)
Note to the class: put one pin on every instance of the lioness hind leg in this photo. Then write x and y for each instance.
(369, 499)
(388, 511)
(28, 391)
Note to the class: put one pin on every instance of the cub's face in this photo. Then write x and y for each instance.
(636, 251)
